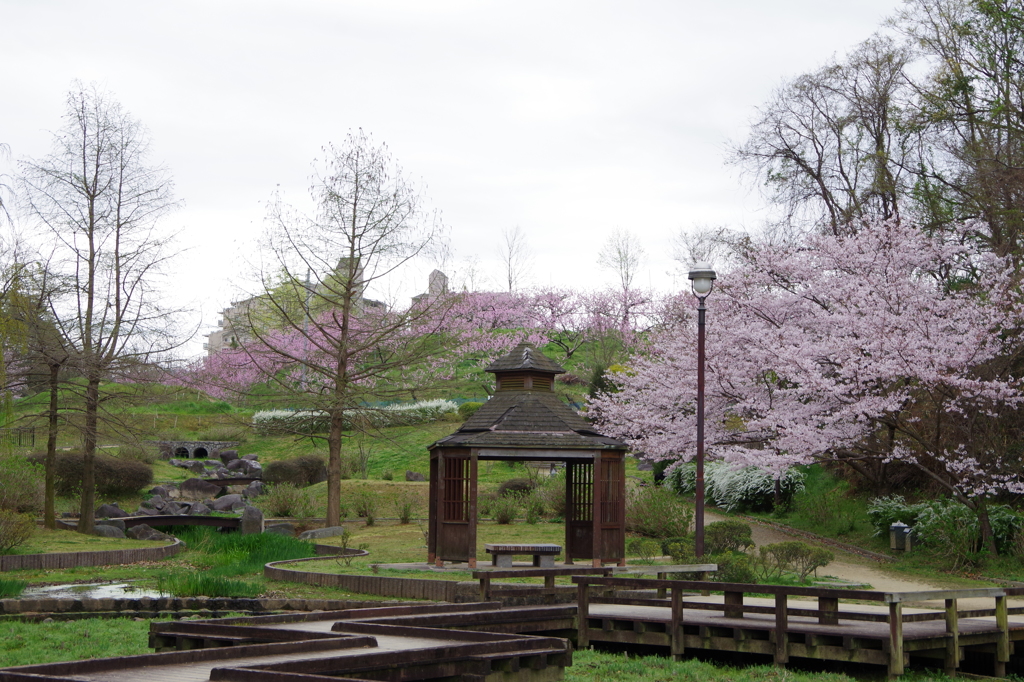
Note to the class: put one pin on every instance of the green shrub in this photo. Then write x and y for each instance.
(285, 499)
(366, 506)
(733, 567)
(551, 493)
(515, 487)
(405, 504)
(679, 548)
(645, 549)
(657, 512)
(298, 471)
(738, 489)
(21, 484)
(727, 536)
(113, 476)
(15, 529)
(467, 410)
(504, 510)
(791, 557)
(11, 589)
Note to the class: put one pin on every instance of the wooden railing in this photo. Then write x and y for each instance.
(602, 590)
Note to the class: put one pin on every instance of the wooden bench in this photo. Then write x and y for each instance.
(543, 555)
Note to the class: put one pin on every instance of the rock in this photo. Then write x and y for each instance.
(163, 491)
(235, 464)
(414, 476)
(212, 463)
(318, 533)
(155, 502)
(47, 620)
(644, 465)
(250, 458)
(195, 467)
(146, 511)
(107, 531)
(227, 502)
(116, 523)
(281, 529)
(144, 532)
(110, 511)
(198, 489)
(251, 521)
(172, 508)
(227, 455)
(198, 509)
(254, 489)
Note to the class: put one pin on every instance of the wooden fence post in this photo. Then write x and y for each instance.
(895, 639)
(952, 660)
(677, 640)
(582, 612)
(781, 627)
(1003, 645)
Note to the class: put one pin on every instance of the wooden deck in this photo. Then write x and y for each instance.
(484, 642)
(789, 626)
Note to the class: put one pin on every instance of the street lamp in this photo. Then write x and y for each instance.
(702, 279)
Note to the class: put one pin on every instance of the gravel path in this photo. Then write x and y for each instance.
(847, 566)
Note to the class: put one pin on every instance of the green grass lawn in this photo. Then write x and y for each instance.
(44, 541)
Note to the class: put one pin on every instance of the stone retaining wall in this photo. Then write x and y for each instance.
(55, 560)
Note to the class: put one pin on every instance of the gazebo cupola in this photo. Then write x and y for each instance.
(525, 421)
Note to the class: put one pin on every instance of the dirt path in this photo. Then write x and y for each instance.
(846, 566)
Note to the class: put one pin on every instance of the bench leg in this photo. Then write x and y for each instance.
(544, 561)
(502, 560)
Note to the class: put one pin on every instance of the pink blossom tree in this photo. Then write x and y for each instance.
(887, 345)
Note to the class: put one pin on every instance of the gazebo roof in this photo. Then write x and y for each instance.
(522, 358)
(528, 418)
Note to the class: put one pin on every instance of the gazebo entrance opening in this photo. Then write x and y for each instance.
(525, 421)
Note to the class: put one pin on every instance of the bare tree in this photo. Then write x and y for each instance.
(314, 333)
(623, 254)
(516, 257)
(100, 199)
(833, 147)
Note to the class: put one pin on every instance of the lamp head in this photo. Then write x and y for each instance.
(702, 278)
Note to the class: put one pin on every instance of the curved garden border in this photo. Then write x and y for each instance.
(53, 560)
(401, 588)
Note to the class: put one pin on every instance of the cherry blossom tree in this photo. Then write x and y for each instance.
(886, 345)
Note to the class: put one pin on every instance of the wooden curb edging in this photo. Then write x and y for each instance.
(55, 560)
(383, 586)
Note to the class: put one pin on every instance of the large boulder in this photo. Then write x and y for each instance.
(254, 489)
(414, 476)
(227, 455)
(156, 502)
(228, 503)
(319, 533)
(251, 457)
(105, 531)
(198, 509)
(251, 521)
(110, 511)
(144, 532)
(281, 529)
(168, 491)
(198, 489)
(174, 508)
(116, 523)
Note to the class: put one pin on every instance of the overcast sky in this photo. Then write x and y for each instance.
(568, 119)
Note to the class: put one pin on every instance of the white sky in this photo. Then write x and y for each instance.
(568, 119)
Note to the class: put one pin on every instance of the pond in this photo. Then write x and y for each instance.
(122, 590)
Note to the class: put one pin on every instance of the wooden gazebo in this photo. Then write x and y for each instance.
(525, 421)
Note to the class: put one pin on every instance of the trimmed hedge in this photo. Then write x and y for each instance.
(298, 471)
(113, 476)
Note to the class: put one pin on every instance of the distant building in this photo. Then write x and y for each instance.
(436, 286)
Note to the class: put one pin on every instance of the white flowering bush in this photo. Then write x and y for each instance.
(737, 488)
(270, 422)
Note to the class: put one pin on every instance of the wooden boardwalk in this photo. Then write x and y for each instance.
(788, 626)
(484, 642)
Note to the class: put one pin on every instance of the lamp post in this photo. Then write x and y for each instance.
(702, 279)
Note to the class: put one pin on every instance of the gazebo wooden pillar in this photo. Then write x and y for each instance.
(526, 421)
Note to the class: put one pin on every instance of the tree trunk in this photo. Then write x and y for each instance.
(988, 538)
(334, 469)
(49, 513)
(92, 405)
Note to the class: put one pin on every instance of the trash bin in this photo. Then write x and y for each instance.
(899, 537)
